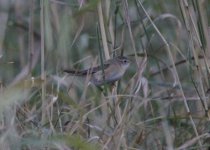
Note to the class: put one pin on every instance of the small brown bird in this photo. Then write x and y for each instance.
(114, 69)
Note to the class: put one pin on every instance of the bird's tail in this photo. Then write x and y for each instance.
(78, 72)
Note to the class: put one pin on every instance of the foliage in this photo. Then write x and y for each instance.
(160, 103)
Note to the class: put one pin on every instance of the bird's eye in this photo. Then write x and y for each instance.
(125, 61)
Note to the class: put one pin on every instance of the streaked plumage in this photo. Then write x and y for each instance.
(114, 69)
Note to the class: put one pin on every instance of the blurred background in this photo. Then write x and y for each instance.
(160, 103)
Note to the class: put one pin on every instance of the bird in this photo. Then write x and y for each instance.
(112, 70)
